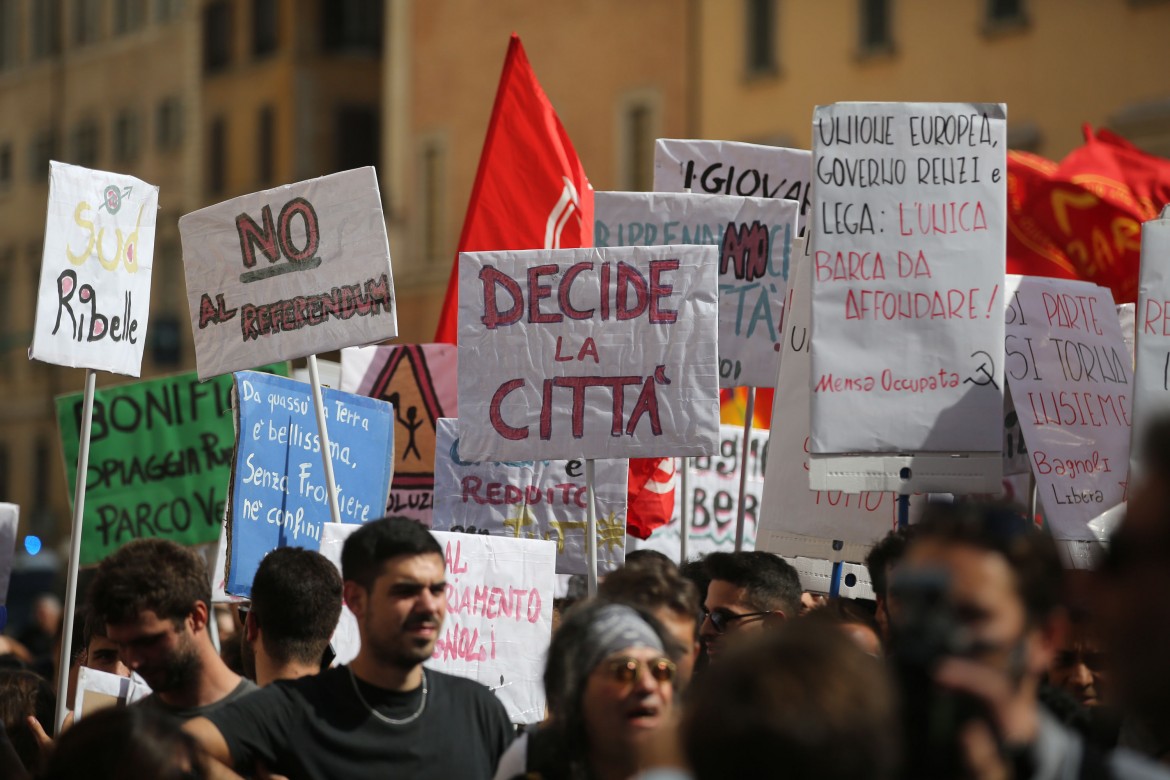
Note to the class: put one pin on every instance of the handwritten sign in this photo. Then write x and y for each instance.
(279, 494)
(588, 353)
(97, 690)
(94, 294)
(1151, 394)
(288, 272)
(535, 499)
(1071, 380)
(419, 382)
(754, 236)
(499, 614)
(714, 498)
(733, 168)
(908, 263)
(159, 460)
(795, 520)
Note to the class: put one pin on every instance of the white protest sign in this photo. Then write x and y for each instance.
(97, 690)
(9, 520)
(1127, 316)
(754, 236)
(1015, 449)
(733, 168)
(714, 499)
(1151, 393)
(535, 499)
(1072, 384)
(816, 575)
(93, 300)
(288, 272)
(795, 520)
(588, 353)
(499, 614)
(908, 262)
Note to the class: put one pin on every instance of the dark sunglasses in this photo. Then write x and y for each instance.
(625, 670)
(721, 618)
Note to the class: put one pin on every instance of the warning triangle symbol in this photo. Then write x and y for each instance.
(406, 382)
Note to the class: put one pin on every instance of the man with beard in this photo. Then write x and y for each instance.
(296, 601)
(154, 598)
(384, 715)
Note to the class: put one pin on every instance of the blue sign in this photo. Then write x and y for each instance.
(279, 496)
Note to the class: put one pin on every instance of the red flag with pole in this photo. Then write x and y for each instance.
(531, 192)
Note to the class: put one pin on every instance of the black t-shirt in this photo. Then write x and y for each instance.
(316, 728)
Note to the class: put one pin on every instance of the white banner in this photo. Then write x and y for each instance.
(754, 236)
(499, 614)
(734, 168)
(588, 353)
(908, 263)
(1072, 384)
(830, 524)
(535, 499)
(93, 300)
(288, 272)
(1151, 392)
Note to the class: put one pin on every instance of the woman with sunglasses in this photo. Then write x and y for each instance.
(610, 687)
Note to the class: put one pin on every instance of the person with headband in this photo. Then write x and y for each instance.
(610, 687)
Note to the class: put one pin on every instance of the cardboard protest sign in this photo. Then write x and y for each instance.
(94, 294)
(419, 382)
(288, 272)
(754, 236)
(159, 460)
(588, 353)
(1127, 317)
(97, 690)
(1151, 393)
(499, 615)
(535, 499)
(279, 495)
(1072, 383)
(795, 520)
(908, 248)
(713, 484)
(733, 168)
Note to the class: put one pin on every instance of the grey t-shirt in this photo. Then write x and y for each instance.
(153, 702)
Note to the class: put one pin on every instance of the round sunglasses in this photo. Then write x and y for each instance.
(625, 670)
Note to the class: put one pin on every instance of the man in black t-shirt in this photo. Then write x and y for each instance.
(384, 715)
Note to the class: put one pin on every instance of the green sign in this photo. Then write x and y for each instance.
(159, 460)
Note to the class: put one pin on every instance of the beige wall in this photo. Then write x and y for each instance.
(1074, 61)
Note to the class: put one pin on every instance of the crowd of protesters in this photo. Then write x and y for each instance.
(980, 658)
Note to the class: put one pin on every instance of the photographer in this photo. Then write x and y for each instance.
(975, 622)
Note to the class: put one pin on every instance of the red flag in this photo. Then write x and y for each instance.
(530, 191)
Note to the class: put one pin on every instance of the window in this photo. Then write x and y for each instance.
(168, 124)
(86, 21)
(357, 137)
(5, 166)
(217, 156)
(432, 165)
(760, 37)
(84, 144)
(1004, 10)
(876, 36)
(352, 25)
(129, 15)
(127, 139)
(637, 144)
(217, 36)
(45, 24)
(266, 145)
(264, 27)
(42, 149)
(167, 10)
(9, 33)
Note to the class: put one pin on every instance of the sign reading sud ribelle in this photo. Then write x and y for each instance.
(908, 264)
(754, 236)
(94, 293)
(588, 353)
(288, 272)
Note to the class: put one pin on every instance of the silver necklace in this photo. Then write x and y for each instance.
(422, 705)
